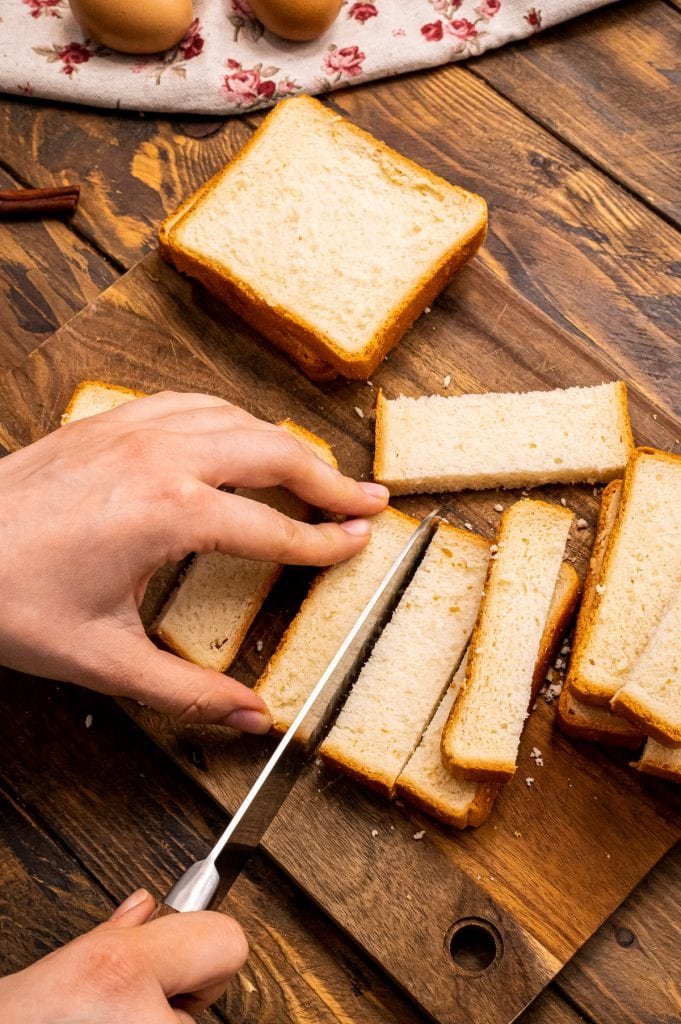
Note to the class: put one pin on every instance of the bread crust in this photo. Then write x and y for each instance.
(643, 717)
(496, 771)
(575, 723)
(475, 814)
(85, 385)
(305, 345)
(578, 682)
(661, 771)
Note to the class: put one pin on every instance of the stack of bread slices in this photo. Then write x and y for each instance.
(437, 712)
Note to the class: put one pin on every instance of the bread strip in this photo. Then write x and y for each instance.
(656, 759)
(342, 301)
(640, 577)
(482, 734)
(333, 603)
(425, 781)
(411, 664)
(208, 615)
(454, 443)
(651, 697)
(575, 718)
(92, 397)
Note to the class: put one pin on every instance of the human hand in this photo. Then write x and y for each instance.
(130, 969)
(89, 512)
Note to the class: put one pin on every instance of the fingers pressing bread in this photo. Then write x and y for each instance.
(239, 526)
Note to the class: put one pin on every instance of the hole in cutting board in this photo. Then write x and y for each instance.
(474, 945)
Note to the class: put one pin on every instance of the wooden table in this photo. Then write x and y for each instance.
(573, 137)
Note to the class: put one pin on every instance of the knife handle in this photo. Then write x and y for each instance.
(163, 910)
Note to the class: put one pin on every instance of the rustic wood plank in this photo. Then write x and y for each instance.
(132, 169)
(608, 84)
(562, 234)
(45, 897)
(47, 273)
(630, 971)
(486, 337)
(137, 820)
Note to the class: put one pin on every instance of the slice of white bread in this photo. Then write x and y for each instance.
(651, 696)
(460, 442)
(324, 239)
(315, 368)
(412, 662)
(208, 615)
(589, 721)
(640, 577)
(656, 759)
(92, 397)
(425, 781)
(333, 603)
(482, 735)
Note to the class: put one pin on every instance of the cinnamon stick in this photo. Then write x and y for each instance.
(38, 202)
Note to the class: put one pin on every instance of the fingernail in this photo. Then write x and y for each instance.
(376, 491)
(133, 900)
(357, 527)
(249, 721)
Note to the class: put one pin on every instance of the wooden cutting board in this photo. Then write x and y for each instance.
(554, 859)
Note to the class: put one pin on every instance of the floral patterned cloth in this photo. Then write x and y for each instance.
(227, 63)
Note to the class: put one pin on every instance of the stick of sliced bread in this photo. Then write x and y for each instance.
(589, 721)
(651, 695)
(640, 578)
(425, 781)
(208, 615)
(92, 397)
(343, 303)
(657, 759)
(333, 602)
(455, 443)
(482, 735)
(411, 663)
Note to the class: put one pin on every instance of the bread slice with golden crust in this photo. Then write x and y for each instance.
(425, 781)
(209, 613)
(341, 296)
(411, 664)
(482, 735)
(656, 759)
(316, 369)
(511, 439)
(589, 721)
(639, 579)
(92, 397)
(333, 602)
(651, 695)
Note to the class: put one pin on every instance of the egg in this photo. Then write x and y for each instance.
(299, 20)
(134, 26)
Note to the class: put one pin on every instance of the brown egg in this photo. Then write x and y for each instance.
(298, 20)
(134, 26)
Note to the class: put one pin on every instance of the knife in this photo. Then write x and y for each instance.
(209, 879)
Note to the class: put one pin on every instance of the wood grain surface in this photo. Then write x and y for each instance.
(177, 337)
(610, 94)
(605, 85)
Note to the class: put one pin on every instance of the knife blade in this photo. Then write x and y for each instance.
(210, 878)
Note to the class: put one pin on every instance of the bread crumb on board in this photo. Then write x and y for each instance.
(359, 412)
(419, 835)
(88, 721)
(374, 833)
(447, 381)
(529, 781)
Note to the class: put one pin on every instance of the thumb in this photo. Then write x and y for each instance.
(190, 693)
(134, 910)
